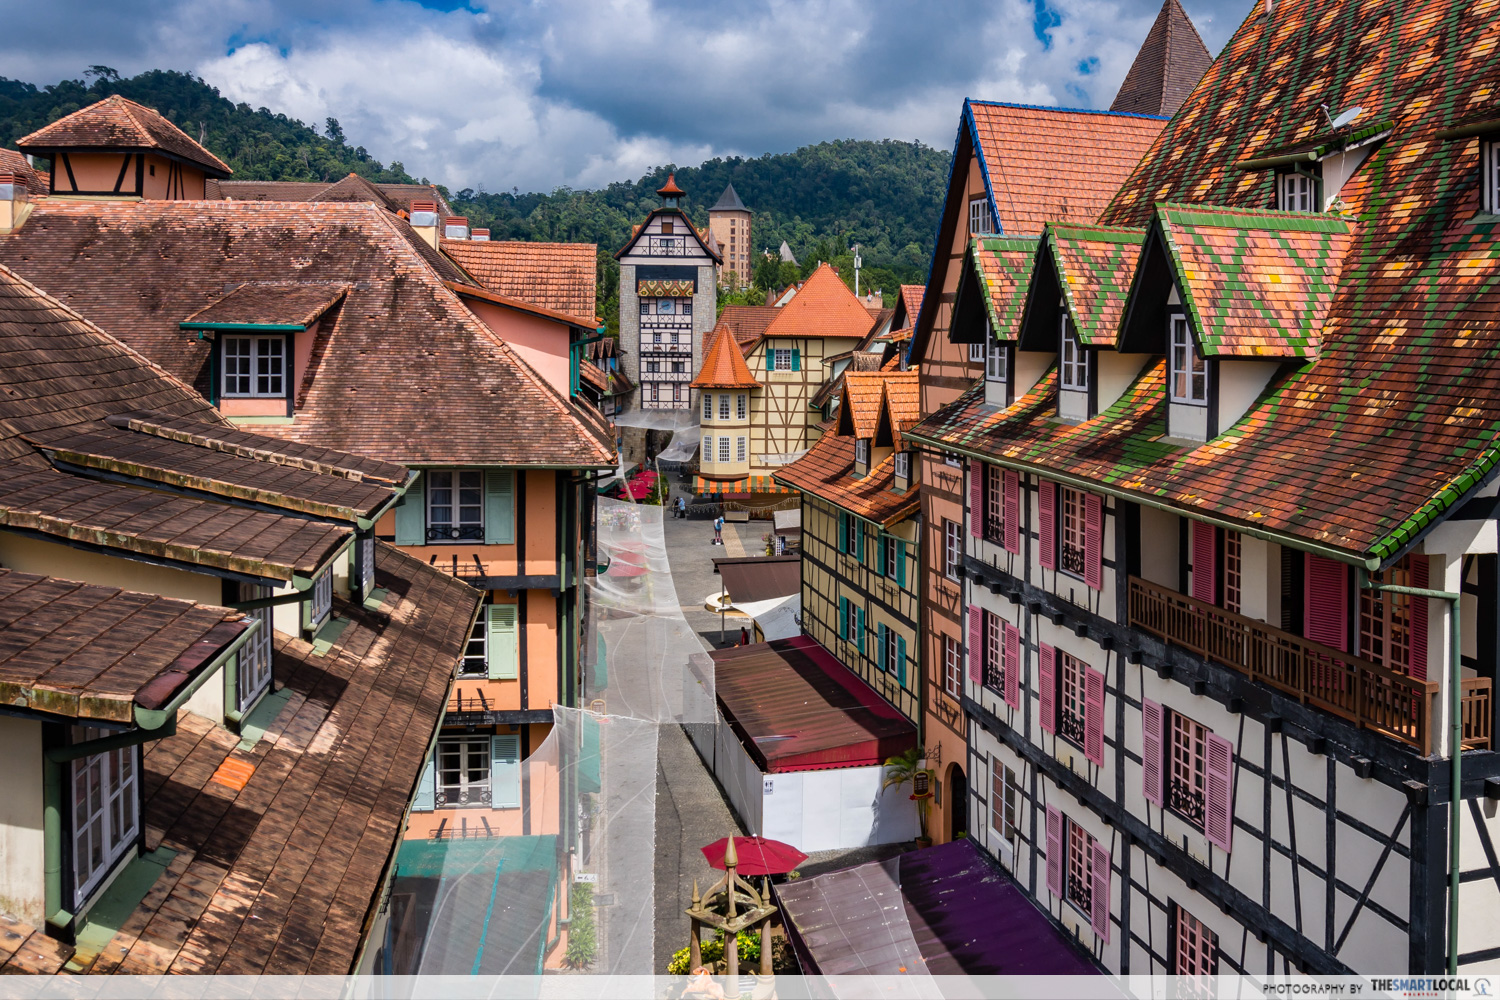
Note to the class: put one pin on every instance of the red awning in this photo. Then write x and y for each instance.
(796, 708)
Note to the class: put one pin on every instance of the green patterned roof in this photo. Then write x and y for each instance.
(1003, 266)
(1095, 265)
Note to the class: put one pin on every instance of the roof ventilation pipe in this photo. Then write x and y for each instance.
(424, 219)
(455, 227)
(480, 235)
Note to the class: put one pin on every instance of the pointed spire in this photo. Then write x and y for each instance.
(1168, 66)
(729, 201)
(731, 856)
(670, 192)
(696, 897)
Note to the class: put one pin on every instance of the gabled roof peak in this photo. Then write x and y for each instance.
(120, 123)
(723, 364)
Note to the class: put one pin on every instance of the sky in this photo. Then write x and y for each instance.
(538, 94)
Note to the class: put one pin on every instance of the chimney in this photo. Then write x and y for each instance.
(455, 227)
(15, 202)
(424, 219)
(480, 235)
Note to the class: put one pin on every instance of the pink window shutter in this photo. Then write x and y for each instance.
(1093, 540)
(1054, 851)
(976, 498)
(1219, 798)
(1327, 602)
(1047, 682)
(1099, 892)
(1046, 501)
(1418, 612)
(1012, 666)
(1204, 570)
(1151, 773)
(1093, 715)
(1012, 512)
(976, 645)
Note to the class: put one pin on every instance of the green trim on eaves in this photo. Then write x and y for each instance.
(254, 327)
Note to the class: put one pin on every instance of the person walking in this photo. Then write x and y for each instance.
(682, 507)
(719, 530)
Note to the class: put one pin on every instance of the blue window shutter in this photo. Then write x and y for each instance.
(859, 622)
(900, 564)
(505, 772)
(411, 514)
(843, 617)
(879, 555)
(901, 660)
(426, 789)
(880, 648)
(796, 359)
(499, 507)
(502, 653)
(843, 532)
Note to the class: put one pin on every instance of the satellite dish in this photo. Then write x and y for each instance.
(1346, 117)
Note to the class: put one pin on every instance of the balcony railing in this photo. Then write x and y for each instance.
(666, 246)
(1364, 692)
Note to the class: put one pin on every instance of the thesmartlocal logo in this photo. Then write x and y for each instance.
(1427, 986)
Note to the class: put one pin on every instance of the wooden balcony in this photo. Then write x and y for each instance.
(1364, 692)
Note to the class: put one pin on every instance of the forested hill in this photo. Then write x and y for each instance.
(820, 199)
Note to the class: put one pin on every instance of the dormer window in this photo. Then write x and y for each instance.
(903, 468)
(981, 219)
(1489, 169)
(997, 361)
(1189, 375)
(1075, 363)
(1296, 192)
(861, 456)
(254, 366)
(976, 353)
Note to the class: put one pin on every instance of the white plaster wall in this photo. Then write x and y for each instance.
(1240, 382)
(1115, 372)
(1160, 540)
(23, 891)
(1072, 404)
(1188, 422)
(1030, 367)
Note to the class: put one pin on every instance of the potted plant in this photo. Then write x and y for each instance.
(911, 766)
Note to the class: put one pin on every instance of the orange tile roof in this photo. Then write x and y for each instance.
(1055, 165)
(910, 302)
(558, 276)
(827, 472)
(824, 307)
(120, 123)
(12, 162)
(723, 365)
(860, 407)
(748, 322)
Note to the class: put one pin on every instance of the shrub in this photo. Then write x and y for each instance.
(583, 937)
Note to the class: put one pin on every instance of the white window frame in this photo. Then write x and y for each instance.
(724, 406)
(678, 367)
(253, 665)
(684, 307)
(891, 651)
(1004, 802)
(1073, 362)
(861, 452)
(320, 603)
(1489, 172)
(955, 461)
(782, 359)
(742, 405)
(953, 550)
(741, 449)
(708, 406)
(646, 306)
(890, 552)
(851, 536)
(105, 818)
(708, 447)
(258, 384)
(468, 792)
(851, 621)
(1295, 192)
(981, 219)
(1188, 365)
(465, 518)
(475, 661)
(953, 666)
(996, 361)
(724, 449)
(903, 465)
(977, 353)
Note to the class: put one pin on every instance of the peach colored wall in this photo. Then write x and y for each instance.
(541, 648)
(170, 181)
(543, 343)
(541, 522)
(243, 406)
(93, 172)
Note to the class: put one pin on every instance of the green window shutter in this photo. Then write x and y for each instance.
(505, 772)
(499, 507)
(900, 564)
(859, 623)
(859, 537)
(796, 359)
(770, 359)
(901, 660)
(426, 789)
(880, 647)
(843, 532)
(411, 514)
(503, 651)
(843, 617)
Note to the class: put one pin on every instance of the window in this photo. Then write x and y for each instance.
(903, 465)
(1071, 691)
(997, 361)
(1073, 519)
(1080, 868)
(741, 450)
(851, 535)
(366, 566)
(1385, 619)
(1295, 193)
(254, 366)
(741, 406)
(1189, 367)
(861, 452)
(1489, 168)
(320, 605)
(708, 448)
(981, 219)
(105, 823)
(455, 505)
(723, 449)
(1004, 792)
(850, 625)
(678, 367)
(954, 460)
(1232, 563)
(953, 550)
(1186, 769)
(476, 658)
(994, 504)
(253, 669)
(953, 666)
(1194, 953)
(890, 651)
(684, 307)
(890, 555)
(724, 406)
(1075, 362)
(782, 359)
(646, 307)
(977, 353)
(463, 771)
(708, 406)
(653, 367)
(994, 651)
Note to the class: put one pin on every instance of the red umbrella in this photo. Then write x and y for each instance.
(757, 855)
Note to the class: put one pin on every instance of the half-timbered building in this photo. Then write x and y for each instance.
(1229, 559)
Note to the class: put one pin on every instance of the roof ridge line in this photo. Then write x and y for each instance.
(1071, 111)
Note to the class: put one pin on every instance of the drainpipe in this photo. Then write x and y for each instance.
(1455, 743)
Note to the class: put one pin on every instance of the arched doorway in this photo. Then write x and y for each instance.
(958, 802)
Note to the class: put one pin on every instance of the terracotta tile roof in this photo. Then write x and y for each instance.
(1004, 266)
(268, 305)
(824, 307)
(355, 188)
(91, 652)
(282, 845)
(558, 276)
(1095, 266)
(12, 162)
(402, 195)
(909, 304)
(120, 123)
(468, 291)
(403, 342)
(1168, 66)
(901, 406)
(747, 323)
(860, 406)
(594, 376)
(1255, 283)
(827, 472)
(1054, 165)
(723, 365)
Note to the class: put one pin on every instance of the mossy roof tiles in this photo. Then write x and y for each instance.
(120, 123)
